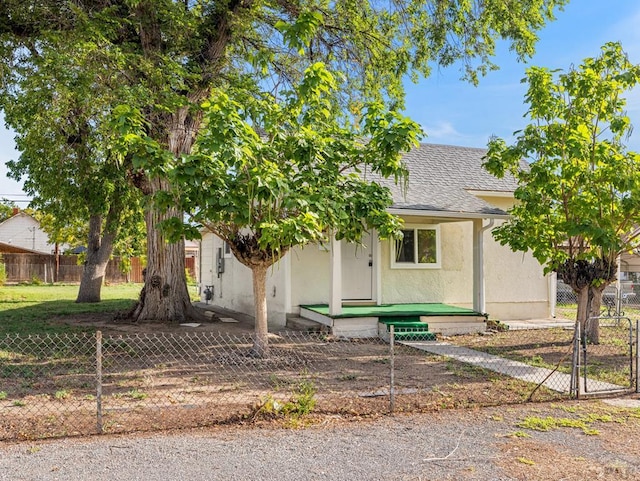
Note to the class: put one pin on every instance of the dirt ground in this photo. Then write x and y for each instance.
(597, 441)
(353, 387)
(110, 324)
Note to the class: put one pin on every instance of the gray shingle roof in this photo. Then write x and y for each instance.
(440, 178)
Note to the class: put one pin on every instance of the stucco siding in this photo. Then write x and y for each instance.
(233, 289)
(518, 310)
(452, 283)
(207, 256)
(501, 202)
(512, 277)
(515, 286)
(310, 274)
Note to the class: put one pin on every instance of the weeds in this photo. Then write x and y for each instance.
(132, 394)
(301, 403)
(546, 424)
(62, 394)
(138, 395)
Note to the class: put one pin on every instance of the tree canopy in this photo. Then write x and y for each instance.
(163, 58)
(78, 186)
(578, 199)
(270, 174)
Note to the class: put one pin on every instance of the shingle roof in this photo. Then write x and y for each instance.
(440, 178)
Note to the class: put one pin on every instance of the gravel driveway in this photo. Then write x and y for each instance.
(452, 445)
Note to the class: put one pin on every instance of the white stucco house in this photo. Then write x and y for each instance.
(448, 270)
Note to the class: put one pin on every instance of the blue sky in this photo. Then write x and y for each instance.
(457, 113)
(453, 112)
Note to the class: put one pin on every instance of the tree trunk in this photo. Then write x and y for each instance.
(164, 297)
(261, 340)
(582, 313)
(588, 280)
(593, 326)
(99, 250)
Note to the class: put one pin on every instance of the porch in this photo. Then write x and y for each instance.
(373, 320)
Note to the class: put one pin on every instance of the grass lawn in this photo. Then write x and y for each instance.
(37, 309)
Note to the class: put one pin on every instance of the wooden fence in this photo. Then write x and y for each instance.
(46, 268)
(64, 268)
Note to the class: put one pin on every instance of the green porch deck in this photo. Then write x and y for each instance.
(395, 310)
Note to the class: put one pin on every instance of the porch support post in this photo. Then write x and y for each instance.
(286, 261)
(479, 303)
(335, 298)
(553, 293)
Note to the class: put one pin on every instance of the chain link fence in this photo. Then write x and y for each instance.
(566, 301)
(616, 302)
(569, 360)
(79, 384)
(542, 357)
(607, 356)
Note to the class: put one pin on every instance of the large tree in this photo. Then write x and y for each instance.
(58, 113)
(270, 174)
(170, 55)
(578, 200)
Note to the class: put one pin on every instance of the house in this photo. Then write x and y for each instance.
(191, 259)
(23, 231)
(448, 271)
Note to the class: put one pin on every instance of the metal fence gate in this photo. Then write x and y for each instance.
(609, 363)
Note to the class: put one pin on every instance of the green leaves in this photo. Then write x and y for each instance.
(285, 172)
(299, 34)
(579, 198)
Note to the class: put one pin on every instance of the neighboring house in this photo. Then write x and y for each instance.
(448, 270)
(192, 258)
(11, 249)
(23, 231)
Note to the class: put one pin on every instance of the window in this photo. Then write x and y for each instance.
(226, 249)
(418, 248)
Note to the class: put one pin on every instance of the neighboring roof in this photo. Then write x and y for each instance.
(15, 215)
(11, 249)
(440, 178)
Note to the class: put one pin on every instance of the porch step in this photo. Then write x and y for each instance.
(414, 336)
(408, 328)
(307, 325)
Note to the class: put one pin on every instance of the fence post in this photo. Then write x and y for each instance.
(574, 389)
(638, 355)
(392, 362)
(99, 381)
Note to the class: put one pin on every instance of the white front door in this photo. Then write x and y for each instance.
(357, 270)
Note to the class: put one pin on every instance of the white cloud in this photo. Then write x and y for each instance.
(441, 130)
(444, 132)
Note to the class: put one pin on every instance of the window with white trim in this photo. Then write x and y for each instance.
(419, 248)
(226, 250)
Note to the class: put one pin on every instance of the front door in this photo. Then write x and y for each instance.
(357, 270)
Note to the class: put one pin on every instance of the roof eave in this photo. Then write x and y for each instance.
(447, 214)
